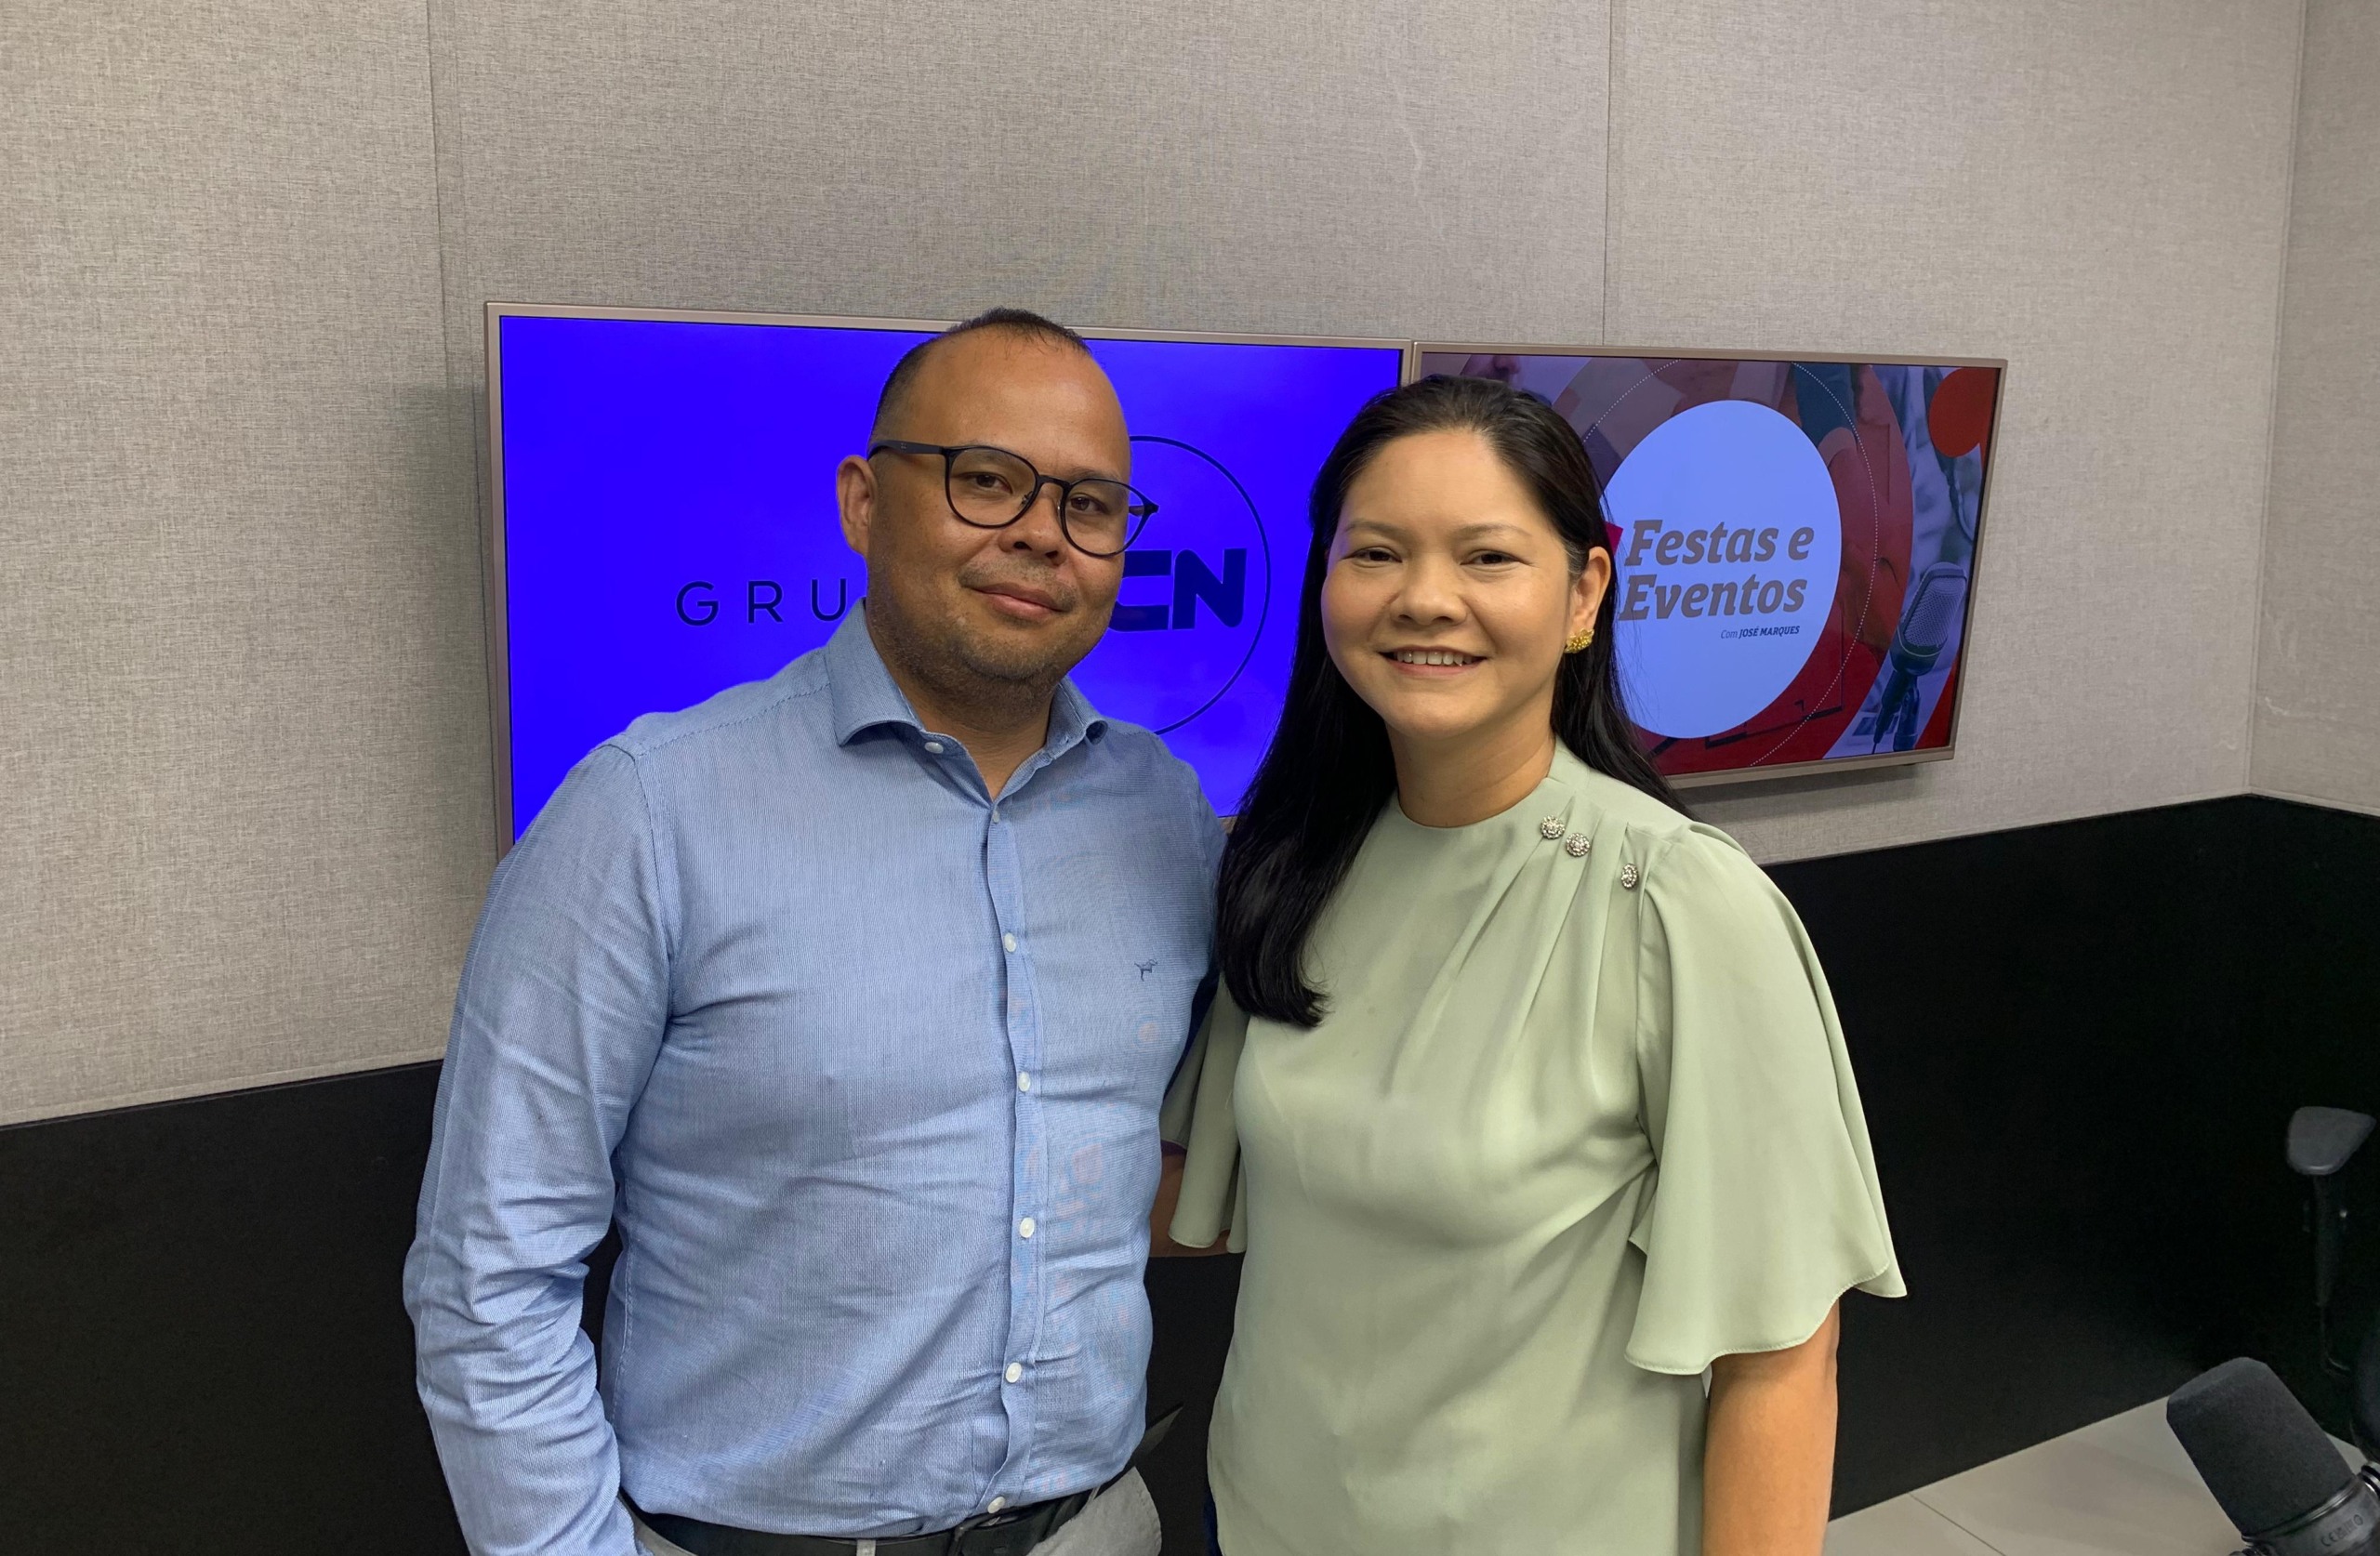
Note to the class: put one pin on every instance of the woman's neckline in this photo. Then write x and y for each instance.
(1563, 757)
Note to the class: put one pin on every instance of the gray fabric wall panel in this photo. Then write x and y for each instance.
(1352, 168)
(2317, 668)
(242, 720)
(243, 724)
(2096, 192)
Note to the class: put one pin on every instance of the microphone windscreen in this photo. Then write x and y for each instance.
(1942, 600)
(2262, 1456)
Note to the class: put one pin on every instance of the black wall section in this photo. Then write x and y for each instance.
(2306, 885)
(202, 1346)
(2078, 1045)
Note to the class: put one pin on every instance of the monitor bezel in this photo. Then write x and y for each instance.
(494, 592)
(1736, 777)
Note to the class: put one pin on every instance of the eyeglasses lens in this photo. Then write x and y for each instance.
(989, 487)
(992, 488)
(1099, 516)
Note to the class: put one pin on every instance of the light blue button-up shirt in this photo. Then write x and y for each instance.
(866, 1064)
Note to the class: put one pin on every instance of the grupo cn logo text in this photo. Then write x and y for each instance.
(1195, 586)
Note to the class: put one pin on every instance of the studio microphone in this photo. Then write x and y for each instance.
(2278, 1476)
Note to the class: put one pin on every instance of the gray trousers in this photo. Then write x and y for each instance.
(1120, 1521)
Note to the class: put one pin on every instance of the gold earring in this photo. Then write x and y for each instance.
(1578, 643)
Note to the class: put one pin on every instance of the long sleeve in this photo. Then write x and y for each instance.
(563, 1002)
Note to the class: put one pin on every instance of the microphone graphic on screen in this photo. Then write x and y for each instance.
(2279, 1478)
(1926, 628)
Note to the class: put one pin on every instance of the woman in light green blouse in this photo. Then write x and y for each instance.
(1524, 1094)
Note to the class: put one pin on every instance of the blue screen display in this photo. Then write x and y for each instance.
(670, 527)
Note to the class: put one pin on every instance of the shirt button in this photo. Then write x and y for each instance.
(1008, 943)
(934, 747)
(1015, 1371)
(1024, 1227)
(1023, 1081)
(996, 1504)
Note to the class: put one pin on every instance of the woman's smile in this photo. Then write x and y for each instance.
(1432, 663)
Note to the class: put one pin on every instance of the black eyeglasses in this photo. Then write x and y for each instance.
(991, 489)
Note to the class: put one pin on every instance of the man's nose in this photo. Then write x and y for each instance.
(1040, 527)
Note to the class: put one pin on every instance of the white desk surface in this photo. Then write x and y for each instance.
(2119, 1487)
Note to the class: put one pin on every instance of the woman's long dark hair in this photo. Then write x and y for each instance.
(1329, 771)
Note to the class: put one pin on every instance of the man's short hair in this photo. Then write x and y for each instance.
(1016, 321)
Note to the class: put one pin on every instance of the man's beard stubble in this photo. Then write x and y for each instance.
(962, 661)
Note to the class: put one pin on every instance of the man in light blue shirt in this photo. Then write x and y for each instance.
(850, 995)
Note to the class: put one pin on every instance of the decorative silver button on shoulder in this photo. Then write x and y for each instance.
(1579, 844)
(1549, 828)
(1629, 877)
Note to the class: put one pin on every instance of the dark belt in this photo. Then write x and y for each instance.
(1009, 1532)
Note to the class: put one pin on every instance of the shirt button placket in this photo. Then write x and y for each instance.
(1024, 1054)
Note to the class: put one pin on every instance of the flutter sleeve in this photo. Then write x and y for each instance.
(1198, 1117)
(1765, 1207)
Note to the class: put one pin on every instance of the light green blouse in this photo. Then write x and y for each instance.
(1578, 1120)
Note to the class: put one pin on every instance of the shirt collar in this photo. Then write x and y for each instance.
(1072, 720)
(866, 696)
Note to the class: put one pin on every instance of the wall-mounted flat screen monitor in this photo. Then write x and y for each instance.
(1795, 541)
(665, 527)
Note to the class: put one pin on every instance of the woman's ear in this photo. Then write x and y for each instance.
(1587, 590)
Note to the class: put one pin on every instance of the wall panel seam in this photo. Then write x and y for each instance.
(1773, 857)
(438, 185)
(2272, 397)
(203, 1090)
(1611, 156)
(453, 225)
(2327, 802)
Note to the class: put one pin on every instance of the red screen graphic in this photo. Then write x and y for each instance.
(1903, 447)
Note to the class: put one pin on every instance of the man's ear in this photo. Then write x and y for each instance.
(855, 498)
